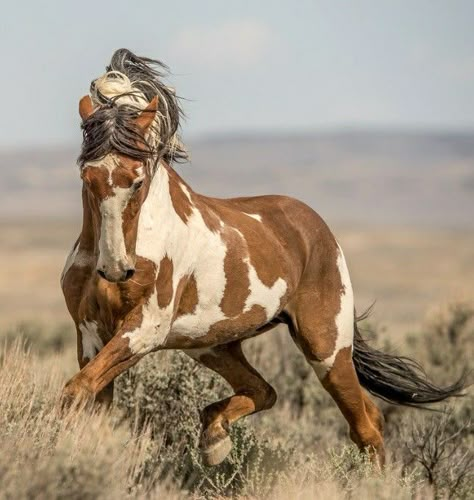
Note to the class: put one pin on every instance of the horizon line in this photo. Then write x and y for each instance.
(278, 133)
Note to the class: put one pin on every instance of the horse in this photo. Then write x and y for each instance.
(158, 266)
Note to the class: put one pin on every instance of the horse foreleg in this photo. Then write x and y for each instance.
(94, 381)
(252, 394)
(84, 355)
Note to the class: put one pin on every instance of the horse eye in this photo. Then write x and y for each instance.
(138, 185)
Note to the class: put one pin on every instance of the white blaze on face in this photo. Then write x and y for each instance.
(112, 249)
(112, 242)
(91, 341)
(344, 319)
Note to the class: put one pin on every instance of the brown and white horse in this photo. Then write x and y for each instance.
(158, 266)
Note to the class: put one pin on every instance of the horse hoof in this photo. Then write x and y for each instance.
(217, 452)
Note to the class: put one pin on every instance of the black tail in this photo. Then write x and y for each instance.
(397, 379)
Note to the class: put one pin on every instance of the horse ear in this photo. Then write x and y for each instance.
(146, 117)
(85, 107)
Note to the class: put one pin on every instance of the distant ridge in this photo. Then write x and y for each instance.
(349, 176)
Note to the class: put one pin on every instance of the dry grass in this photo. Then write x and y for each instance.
(146, 447)
(44, 455)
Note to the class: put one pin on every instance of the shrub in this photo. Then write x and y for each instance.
(441, 445)
(164, 393)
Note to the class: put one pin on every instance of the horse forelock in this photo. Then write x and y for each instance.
(118, 96)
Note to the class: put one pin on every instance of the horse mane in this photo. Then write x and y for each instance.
(118, 96)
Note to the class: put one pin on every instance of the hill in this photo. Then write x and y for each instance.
(408, 179)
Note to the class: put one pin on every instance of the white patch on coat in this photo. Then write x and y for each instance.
(78, 258)
(344, 319)
(112, 248)
(194, 249)
(70, 260)
(91, 342)
(186, 191)
(262, 295)
(254, 216)
(153, 329)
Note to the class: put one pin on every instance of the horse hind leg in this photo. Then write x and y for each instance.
(252, 394)
(322, 325)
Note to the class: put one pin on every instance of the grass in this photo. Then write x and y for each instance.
(146, 447)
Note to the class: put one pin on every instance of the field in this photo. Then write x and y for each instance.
(147, 446)
(408, 237)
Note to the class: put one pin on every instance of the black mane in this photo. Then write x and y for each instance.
(111, 128)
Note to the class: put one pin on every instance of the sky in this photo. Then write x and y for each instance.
(262, 66)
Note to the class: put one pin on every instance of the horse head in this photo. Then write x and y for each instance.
(116, 185)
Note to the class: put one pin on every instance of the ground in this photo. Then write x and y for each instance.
(147, 446)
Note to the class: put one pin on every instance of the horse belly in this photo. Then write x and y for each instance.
(209, 325)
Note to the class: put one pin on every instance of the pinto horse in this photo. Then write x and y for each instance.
(158, 266)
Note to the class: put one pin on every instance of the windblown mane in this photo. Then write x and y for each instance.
(118, 96)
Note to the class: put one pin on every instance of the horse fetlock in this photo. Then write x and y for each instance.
(372, 444)
(215, 444)
(76, 391)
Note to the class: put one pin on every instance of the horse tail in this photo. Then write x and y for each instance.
(397, 379)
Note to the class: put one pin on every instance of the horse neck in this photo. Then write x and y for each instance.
(168, 196)
(163, 227)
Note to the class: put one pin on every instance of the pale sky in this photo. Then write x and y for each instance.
(261, 65)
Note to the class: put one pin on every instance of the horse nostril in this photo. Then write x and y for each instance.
(129, 273)
(101, 273)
